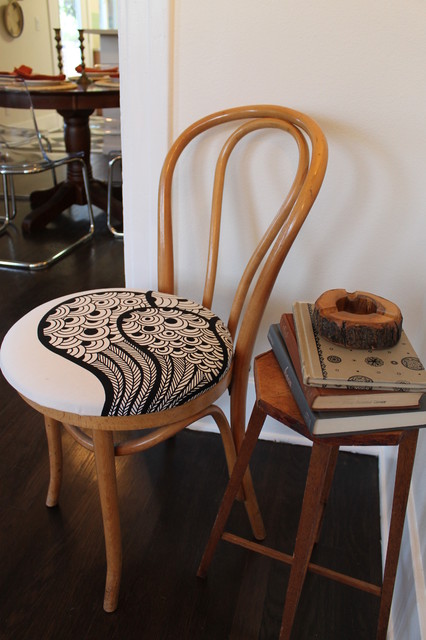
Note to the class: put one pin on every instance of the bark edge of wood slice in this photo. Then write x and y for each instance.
(357, 320)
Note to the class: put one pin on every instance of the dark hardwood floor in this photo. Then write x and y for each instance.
(52, 564)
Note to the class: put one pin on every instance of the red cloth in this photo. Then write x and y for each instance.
(27, 74)
(105, 72)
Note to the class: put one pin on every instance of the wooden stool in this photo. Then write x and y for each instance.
(274, 398)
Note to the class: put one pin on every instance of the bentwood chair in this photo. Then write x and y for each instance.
(118, 360)
(18, 160)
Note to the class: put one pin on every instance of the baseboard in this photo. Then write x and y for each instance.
(408, 613)
(419, 576)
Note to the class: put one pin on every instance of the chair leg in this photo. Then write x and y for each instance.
(310, 518)
(53, 433)
(253, 430)
(12, 194)
(111, 163)
(5, 220)
(107, 481)
(226, 434)
(406, 455)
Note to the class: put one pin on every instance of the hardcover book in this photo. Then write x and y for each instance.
(328, 398)
(326, 364)
(328, 423)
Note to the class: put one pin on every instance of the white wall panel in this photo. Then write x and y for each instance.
(356, 68)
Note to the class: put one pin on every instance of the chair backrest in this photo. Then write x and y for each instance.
(17, 137)
(260, 274)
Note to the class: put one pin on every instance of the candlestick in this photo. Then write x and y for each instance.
(84, 78)
(59, 49)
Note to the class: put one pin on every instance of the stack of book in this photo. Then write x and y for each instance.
(340, 390)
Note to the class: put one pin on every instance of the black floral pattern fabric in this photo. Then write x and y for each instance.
(151, 351)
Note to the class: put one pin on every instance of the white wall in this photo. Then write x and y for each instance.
(34, 48)
(358, 69)
(30, 48)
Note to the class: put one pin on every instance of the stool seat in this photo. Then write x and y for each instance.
(116, 352)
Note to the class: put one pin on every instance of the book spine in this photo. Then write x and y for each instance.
(307, 351)
(284, 360)
(290, 341)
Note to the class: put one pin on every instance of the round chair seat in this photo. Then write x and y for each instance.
(116, 352)
(22, 160)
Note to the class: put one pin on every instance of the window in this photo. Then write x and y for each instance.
(88, 15)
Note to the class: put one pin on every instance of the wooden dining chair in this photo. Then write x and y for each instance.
(118, 360)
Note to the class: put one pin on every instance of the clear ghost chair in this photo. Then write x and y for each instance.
(24, 151)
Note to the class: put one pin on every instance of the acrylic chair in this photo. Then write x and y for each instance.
(119, 360)
(18, 160)
(13, 139)
(106, 131)
(114, 160)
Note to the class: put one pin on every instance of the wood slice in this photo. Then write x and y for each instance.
(357, 320)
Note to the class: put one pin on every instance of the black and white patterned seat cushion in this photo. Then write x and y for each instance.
(116, 352)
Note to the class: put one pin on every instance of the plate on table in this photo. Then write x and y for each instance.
(95, 74)
(108, 83)
(46, 83)
(40, 85)
(100, 73)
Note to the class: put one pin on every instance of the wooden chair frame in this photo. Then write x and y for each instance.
(263, 267)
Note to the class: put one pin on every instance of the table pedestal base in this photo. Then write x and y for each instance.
(46, 205)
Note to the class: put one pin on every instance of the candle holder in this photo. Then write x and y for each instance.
(59, 49)
(84, 78)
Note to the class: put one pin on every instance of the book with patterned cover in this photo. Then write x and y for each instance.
(324, 423)
(326, 364)
(332, 399)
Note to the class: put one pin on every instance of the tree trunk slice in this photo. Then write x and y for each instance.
(357, 320)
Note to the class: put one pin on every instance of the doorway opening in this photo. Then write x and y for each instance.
(92, 16)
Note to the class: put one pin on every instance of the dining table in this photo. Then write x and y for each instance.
(75, 103)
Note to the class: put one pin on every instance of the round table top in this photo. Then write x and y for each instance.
(76, 99)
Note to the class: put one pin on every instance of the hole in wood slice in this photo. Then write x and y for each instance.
(357, 304)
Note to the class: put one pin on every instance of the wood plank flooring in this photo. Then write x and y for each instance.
(52, 565)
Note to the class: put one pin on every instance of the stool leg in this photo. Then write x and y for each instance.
(254, 428)
(404, 469)
(54, 444)
(105, 468)
(252, 507)
(327, 487)
(310, 518)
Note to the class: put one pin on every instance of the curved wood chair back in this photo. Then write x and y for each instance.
(260, 274)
